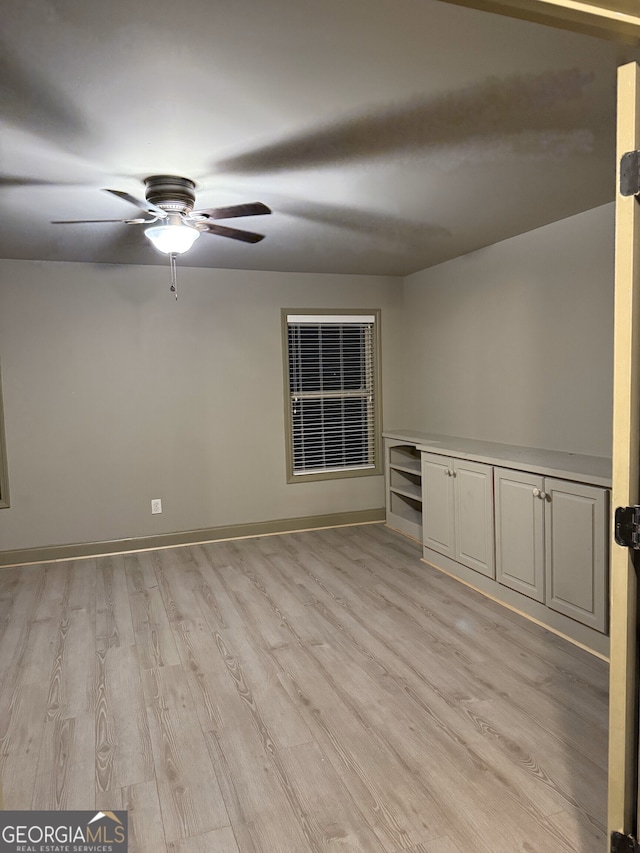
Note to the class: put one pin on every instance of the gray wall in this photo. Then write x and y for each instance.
(514, 342)
(115, 394)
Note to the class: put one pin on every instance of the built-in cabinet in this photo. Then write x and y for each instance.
(457, 516)
(551, 543)
(502, 523)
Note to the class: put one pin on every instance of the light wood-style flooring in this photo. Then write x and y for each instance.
(317, 691)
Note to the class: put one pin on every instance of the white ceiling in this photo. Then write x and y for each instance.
(386, 135)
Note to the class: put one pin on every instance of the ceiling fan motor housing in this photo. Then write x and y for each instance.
(171, 193)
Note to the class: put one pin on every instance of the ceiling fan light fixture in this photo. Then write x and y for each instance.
(175, 238)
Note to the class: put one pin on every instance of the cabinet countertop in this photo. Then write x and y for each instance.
(578, 467)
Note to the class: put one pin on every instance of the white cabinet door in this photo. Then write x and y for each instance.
(520, 531)
(576, 551)
(474, 534)
(438, 530)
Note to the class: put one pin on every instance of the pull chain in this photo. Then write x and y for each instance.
(174, 274)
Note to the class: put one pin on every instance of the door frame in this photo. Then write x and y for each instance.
(623, 680)
(612, 19)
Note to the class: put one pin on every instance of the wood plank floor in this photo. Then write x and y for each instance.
(317, 691)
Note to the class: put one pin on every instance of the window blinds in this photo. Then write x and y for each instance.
(331, 389)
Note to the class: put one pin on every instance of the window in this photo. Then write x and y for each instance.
(332, 394)
(4, 482)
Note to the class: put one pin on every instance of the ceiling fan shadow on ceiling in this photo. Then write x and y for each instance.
(169, 202)
(548, 114)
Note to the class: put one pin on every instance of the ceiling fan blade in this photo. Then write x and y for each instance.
(254, 208)
(10, 181)
(233, 233)
(143, 205)
(89, 221)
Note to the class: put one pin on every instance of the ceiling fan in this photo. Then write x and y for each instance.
(169, 201)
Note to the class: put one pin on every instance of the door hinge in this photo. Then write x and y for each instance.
(630, 173)
(624, 843)
(627, 526)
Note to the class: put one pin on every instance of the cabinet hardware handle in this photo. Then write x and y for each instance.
(454, 473)
(543, 495)
(536, 493)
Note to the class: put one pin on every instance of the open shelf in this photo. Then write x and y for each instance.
(405, 458)
(404, 488)
(405, 483)
(405, 515)
(406, 508)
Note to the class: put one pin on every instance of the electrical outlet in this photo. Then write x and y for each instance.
(156, 506)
